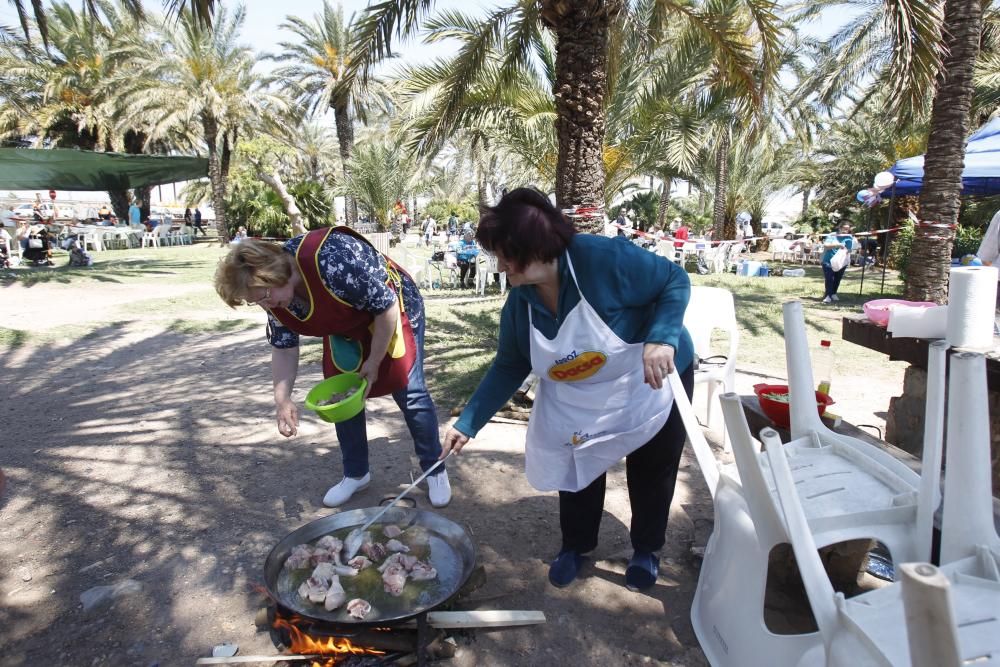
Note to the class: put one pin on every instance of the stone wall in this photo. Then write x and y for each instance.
(904, 425)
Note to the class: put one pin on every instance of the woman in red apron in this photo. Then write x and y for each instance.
(332, 283)
(599, 321)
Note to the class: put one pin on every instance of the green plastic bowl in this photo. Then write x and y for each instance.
(345, 409)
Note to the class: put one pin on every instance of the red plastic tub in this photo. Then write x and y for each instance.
(776, 410)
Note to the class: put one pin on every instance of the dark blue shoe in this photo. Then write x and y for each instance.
(564, 568)
(642, 571)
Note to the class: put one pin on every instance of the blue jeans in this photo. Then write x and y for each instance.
(831, 279)
(418, 411)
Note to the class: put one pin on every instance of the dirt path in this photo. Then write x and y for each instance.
(147, 455)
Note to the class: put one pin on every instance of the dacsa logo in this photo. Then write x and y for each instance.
(575, 367)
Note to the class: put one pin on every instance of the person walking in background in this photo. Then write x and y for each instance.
(188, 219)
(135, 214)
(681, 233)
(835, 260)
(197, 224)
(452, 225)
(428, 230)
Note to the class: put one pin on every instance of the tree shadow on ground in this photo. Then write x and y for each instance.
(156, 459)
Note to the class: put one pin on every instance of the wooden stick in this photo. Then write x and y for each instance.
(257, 658)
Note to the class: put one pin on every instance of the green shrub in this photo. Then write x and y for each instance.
(899, 252)
(967, 240)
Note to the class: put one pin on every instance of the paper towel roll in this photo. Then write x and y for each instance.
(972, 294)
(918, 321)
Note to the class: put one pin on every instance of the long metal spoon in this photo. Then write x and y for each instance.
(356, 537)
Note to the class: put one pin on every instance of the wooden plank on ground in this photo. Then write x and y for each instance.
(491, 618)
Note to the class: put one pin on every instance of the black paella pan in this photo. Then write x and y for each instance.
(451, 552)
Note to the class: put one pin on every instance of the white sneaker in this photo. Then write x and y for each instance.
(835, 297)
(439, 489)
(342, 492)
(827, 299)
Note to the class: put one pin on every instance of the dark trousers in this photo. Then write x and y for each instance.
(465, 269)
(831, 279)
(418, 411)
(651, 471)
(199, 228)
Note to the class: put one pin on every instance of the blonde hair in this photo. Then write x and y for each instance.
(250, 264)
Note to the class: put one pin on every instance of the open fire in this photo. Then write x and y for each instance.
(337, 644)
(303, 644)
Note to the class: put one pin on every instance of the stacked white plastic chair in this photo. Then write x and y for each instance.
(880, 627)
(709, 309)
(850, 490)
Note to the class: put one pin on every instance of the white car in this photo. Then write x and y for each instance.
(27, 211)
(777, 230)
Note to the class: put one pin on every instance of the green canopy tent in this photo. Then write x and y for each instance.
(74, 170)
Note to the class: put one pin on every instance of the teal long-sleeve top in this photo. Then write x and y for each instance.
(639, 295)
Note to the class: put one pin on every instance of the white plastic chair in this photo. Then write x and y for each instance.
(486, 265)
(710, 309)
(92, 239)
(872, 628)
(151, 239)
(781, 250)
(847, 492)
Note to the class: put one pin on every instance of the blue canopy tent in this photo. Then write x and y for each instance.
(981, 175)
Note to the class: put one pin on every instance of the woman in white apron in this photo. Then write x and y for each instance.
(599, 321)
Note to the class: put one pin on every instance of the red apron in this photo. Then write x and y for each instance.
(345, 330)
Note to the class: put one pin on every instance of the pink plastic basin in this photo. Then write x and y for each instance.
(878, 310)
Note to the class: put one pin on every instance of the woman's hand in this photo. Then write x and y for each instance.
(657, 363)
(288, 418)
(454, 440)
(369, 371)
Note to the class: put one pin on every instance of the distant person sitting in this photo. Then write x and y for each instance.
(466, 254)
(104, 213)
(240, 235)
(197, 224)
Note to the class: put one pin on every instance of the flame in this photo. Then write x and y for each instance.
(303, 644)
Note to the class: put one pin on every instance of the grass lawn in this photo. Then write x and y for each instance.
(462, 327)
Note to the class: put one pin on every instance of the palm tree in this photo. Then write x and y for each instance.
(200, 78)
(201, 9)
(75, 107)
(580, 70)
(378, 178)
(930, 256)
(316, 64)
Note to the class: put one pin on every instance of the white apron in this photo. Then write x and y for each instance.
(592, 406)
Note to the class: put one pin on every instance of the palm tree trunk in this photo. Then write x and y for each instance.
(211, 128)
(930, 256)
(345, 137)
(481, 187)
(581, 30)
(119, 203)
(805, 202)
(721, 185)
(661, 213)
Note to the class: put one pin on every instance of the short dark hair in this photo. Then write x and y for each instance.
(524, 227)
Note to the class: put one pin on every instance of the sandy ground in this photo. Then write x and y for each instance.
(146, 455)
